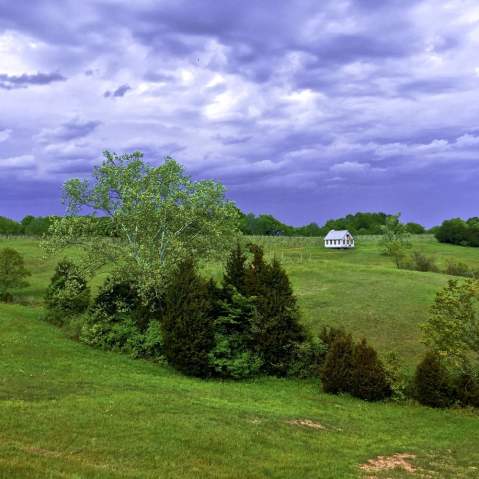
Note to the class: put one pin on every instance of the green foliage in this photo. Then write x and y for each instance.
(159, 215)
(233, 355)
(187, 324)
(9, 227)
(432, 382)
(336, 374)
(278, 329)
(458, 268)
(68, 293)
(460, 232)
(452, 328)
(398, 381)
(308, 358)
(422, 262)
(235, 269)
(12, 273)
(394, 236)
(415, 228)
(466, 387)
(368, 376)
(119, 320)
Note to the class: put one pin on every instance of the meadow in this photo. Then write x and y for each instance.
(67, 410)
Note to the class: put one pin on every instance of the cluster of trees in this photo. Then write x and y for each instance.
(357, 224)
(29, 226)
(460, 232)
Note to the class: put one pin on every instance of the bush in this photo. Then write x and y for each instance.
(68, 293)
(336, 374)
(458, 269)
(187, 326)
(368, 376)
(466, 388)
(400, 384)
(119, 320)
(423, 263)
(432, 383)
(233, 354)
(308, 358)
(12, 273)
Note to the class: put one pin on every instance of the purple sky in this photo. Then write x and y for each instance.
(307, 110)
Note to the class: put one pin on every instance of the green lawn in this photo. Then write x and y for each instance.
(67, 410)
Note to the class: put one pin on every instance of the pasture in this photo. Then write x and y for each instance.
(67, 410)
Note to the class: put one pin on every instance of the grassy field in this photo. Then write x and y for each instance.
(67, 410)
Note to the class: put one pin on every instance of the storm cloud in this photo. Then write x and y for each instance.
(303, 109)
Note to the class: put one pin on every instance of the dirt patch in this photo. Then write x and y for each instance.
(385, 463)
(306, 423)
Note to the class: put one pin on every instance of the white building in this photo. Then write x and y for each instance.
(339, 239)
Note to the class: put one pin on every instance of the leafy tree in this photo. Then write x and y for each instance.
(394, 236)
(10, 227)
(432, 383)
(415, 228)
(452, 328)
(336, 374)
(159, 215)
(368, 376)
(187, 324)
(12, 273)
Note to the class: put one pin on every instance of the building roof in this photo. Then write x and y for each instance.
(337, 234)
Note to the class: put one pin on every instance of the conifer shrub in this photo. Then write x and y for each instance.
(278, 329)
(432, 382)
(368, 376)
(68, 293)
(336, 374)
(235, 270)
(187, 324)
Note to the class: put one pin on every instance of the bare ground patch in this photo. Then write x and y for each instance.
(387, 463)
(306, 423)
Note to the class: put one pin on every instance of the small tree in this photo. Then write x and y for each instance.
(68, 293)
(336, 374)
(368, 376)
(12, 273)
(395, 237)
(432, 383)
(452, 328)
(187, 324)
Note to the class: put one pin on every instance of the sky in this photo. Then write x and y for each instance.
(306, 110)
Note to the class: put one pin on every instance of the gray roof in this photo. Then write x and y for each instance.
(337, 235)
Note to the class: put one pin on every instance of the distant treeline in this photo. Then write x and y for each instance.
(357, 224)
(460, 232)
(38, 226)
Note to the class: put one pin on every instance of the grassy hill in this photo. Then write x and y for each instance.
(67, 410)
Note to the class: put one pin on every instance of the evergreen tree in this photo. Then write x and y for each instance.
(235, 271)
(432, 382)
(12, 273)
(336, 374)
(187, 324)
(466, 388)
(368, 376)
(278, 330)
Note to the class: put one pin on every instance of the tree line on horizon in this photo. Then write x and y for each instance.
(453, 231)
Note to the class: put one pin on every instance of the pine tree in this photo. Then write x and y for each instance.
(432, 382)
(187, 326)
(336, 374)
(235, 271)
(466, 387)
(368, 376)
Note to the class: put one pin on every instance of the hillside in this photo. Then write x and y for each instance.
(67, 410)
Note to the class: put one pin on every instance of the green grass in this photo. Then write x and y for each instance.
(67, 410)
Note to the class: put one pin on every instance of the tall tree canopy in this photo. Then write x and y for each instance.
(158, 215)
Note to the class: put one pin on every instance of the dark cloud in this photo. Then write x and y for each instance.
(69, 130)
(119, 92)
(11, 82)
